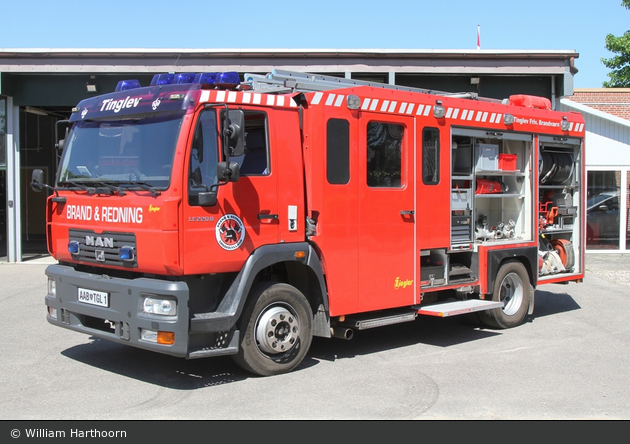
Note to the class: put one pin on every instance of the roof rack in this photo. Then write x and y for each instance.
(281, 81)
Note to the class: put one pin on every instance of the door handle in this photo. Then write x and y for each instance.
(267, 216)
(406, 212)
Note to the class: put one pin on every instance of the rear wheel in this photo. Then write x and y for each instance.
(512, 287)
(276, 330)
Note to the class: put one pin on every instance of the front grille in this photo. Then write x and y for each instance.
(103, 248)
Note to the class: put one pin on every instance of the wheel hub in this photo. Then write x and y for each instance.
(277, 330)
(511, 293)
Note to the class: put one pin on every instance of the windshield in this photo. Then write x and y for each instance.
(136, 151)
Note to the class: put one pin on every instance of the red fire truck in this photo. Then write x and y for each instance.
(212, 214)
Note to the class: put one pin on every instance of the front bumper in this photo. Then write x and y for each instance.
(123, 320)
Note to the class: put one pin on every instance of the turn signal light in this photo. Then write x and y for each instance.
(159, 337)
(166, 337)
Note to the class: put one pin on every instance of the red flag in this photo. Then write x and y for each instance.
(478, 37)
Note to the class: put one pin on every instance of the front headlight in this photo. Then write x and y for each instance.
(164, 307)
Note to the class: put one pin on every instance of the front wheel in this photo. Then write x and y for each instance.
(513, 288)
(276, 330)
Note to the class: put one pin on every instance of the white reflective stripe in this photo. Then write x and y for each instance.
(420, 109)
(492, 117)
(449, 112)
(455, 113)
(471, 113)
(384, 106)
(374, 104)
(464, 114)
(498, 118)
(571, 126)
(270, 100)
(339, 100)
(479, 114)
(292, 103)
(403, 108)
(427, 109)
(280, 101)
(485, 117)
(330, 99)
(257, 99)
(410, 108)
(392, 107)
(366, 104)
(231, 97)
(205, 96)
(581, 127)
(247, 97)
(318, 96)
(220, 96)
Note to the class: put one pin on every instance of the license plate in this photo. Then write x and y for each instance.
(93, 297)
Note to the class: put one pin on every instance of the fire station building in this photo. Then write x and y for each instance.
(39, 87)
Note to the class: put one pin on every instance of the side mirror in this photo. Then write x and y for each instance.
(228, 171)
(234, 133)
(37, 180)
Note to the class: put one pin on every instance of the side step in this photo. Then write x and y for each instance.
(453, 308)
(387, 318)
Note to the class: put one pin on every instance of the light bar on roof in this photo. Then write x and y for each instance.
(227, 80)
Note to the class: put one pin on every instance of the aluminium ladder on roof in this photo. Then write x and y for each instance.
(282, 81)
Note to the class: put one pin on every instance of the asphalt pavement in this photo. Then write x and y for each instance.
(569, 360)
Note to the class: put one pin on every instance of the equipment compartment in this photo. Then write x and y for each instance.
(497, 191)
(560, 194)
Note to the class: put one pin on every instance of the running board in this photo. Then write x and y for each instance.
(370, 321)
(453, 308)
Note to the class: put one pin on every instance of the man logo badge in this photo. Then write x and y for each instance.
(99, 255)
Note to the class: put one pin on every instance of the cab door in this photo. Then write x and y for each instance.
(220, 238)
(386, 212)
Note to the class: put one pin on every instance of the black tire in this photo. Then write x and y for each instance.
(275, 330)
(512, 286)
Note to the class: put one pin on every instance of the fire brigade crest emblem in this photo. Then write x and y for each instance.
(230, 232)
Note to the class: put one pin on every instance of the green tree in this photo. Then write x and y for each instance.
(619, 64)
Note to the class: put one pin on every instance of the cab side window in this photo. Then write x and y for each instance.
(255, 161)
(202, 172)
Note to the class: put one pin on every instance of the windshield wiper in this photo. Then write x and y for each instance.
(119, 190)
(90, 190)
(142, 185)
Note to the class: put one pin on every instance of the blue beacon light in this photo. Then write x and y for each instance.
(73, 247)
(126, 253)
(162, 79)
(124, 85)
(188, 77)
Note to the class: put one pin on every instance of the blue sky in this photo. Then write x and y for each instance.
(579, 25)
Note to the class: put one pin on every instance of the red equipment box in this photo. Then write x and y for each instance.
(507, 162)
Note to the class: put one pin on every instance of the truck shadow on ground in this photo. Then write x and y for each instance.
(181, 374)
